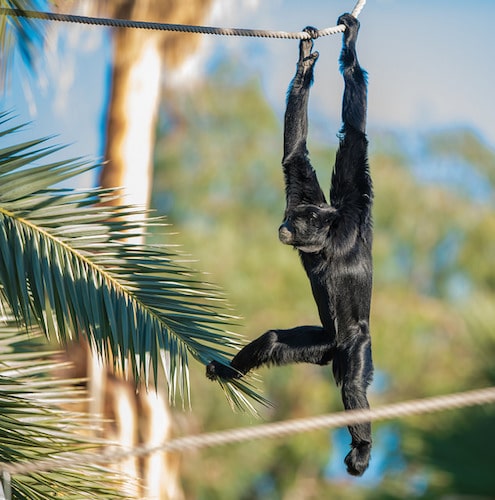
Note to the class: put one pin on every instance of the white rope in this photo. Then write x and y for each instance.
(278, 429)
(358, 8)
(209, 30)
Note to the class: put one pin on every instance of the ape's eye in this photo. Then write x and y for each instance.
(314, 215)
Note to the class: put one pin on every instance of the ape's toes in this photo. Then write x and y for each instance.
(216, 370)
(358, 459)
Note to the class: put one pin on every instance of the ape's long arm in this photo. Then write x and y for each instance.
(301, 184)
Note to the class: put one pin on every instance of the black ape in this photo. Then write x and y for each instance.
(334, 243)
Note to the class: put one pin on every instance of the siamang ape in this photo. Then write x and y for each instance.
(334, 244)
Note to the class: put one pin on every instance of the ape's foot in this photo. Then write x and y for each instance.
(357, 459)
(306, 57)
(216, 370)
(351, 27)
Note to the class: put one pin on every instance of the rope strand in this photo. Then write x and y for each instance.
(272, 430)
(209, 30)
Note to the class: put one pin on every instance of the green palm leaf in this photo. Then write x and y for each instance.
(33, 427)
(66, 262)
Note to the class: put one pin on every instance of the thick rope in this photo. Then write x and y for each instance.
(278, 429)
(209, 30)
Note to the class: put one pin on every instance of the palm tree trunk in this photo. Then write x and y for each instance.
(132, 115)
(139, 418)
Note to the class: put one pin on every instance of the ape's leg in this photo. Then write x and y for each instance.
(353, 369)
(303, 344)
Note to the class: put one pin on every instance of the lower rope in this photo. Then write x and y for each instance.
(279, 429)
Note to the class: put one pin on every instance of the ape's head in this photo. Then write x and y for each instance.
(306, 227)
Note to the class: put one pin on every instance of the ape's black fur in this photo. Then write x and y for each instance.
(334, 243)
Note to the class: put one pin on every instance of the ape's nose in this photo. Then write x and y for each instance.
(285, 234)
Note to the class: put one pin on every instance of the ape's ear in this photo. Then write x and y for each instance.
(329, 213)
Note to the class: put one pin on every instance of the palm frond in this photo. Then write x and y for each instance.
(33, 428)
(19, 33)
(67, 262)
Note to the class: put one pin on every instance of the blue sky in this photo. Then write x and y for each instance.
(430, 65)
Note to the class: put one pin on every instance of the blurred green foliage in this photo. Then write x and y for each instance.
(219, 180)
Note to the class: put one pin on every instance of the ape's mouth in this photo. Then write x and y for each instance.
(285, 235)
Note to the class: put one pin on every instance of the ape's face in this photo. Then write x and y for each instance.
(306, 227)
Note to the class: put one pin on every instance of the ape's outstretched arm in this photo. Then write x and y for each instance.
(301, 184)
(354, 102)
(351, 189)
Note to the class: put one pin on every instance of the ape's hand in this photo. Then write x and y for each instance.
(215, 370)
(351, 27)
(306, 57)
